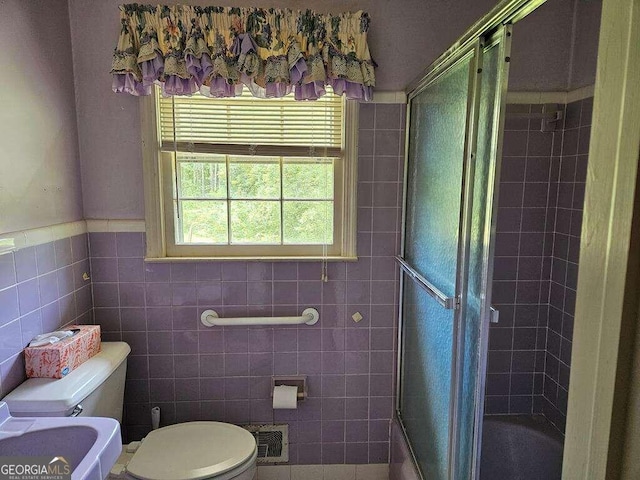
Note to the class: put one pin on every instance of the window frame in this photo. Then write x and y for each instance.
(158, 196)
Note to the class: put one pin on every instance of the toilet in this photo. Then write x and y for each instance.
(186, 451)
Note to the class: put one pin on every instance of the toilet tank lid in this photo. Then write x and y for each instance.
(57, 397)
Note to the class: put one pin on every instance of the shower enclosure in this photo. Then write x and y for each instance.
(454, 119)
(455, 126)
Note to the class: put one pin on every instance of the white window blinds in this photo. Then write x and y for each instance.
(248, 124)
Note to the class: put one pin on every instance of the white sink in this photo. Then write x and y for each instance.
(90, 445)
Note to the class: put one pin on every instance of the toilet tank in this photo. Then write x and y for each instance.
(94, 389)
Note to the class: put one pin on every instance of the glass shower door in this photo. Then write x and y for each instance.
(449, 175)
(436, 150)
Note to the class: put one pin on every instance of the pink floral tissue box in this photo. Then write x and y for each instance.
(58, 359)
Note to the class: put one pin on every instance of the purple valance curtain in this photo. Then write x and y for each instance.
(217, 50)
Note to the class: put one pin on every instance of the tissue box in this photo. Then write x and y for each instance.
(58, 359)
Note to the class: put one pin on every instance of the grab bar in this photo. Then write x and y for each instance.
(209, 318)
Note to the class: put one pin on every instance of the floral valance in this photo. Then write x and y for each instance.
(217, 50)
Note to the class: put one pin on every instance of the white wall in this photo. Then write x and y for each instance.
(39, 179)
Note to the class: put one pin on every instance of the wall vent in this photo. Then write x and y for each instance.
(272, 441)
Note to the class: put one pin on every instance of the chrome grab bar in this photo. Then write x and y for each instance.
(450, 303)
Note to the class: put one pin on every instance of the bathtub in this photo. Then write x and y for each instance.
(520, 447)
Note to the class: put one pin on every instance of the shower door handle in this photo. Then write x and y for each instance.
(450, 303)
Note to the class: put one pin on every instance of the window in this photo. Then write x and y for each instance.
(246, 177)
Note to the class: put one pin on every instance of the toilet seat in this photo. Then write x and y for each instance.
(194, 451)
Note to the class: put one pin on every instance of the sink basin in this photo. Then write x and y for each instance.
(90, 445)
(72, 443)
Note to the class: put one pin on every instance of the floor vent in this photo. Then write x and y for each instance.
(273, 442)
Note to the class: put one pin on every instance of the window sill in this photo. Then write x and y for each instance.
(248, 259)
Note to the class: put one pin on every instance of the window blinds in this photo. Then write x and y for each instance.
(248, 124)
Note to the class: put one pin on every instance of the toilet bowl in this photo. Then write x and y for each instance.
(185, 451)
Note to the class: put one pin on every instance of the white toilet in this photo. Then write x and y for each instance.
(186, 451)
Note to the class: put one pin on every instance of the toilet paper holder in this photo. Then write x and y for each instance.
(299, 381)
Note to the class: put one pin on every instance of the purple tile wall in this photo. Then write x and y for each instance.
(193, 372)
(535, 269)
(566, 247)
(41, 289)
(522, 264)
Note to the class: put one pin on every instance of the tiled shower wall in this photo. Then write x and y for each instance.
(566, 251)
(193, 372)
(41, 288)
(535, 270)
(524, 244)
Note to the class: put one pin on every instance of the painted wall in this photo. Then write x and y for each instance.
(405, 37)
(538, 64)
(193, 372)
(587, 30)
(40, 181)
(555, 48)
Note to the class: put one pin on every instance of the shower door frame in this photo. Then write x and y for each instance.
(503, 36)
(498, 20)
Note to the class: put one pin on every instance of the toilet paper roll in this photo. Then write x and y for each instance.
(285, 396)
